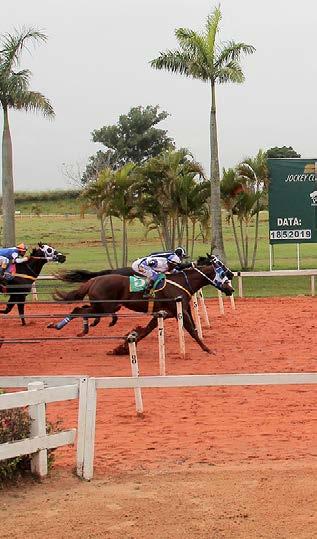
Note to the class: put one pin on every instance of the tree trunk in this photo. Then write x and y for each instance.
(193, 238)
(114, 246)
(256, 235)
(236, 239)
(104, 241)
(217, 245)
(8, 205)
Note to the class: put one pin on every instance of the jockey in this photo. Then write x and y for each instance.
(15, 255)
(156, 263)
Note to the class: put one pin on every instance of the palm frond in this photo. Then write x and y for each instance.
(212, 27)
(176, 61)
(34, 101)
(192, 42)
(232, 51)
(231, 73)
(12, 44)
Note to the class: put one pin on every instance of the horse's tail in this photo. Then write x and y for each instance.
(82, 276)
(72, 295)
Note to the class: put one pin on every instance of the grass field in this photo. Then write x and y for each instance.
(80, 239)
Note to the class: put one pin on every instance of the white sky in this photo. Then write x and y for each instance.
(95, 66)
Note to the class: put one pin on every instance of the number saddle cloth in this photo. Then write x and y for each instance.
(139, 284)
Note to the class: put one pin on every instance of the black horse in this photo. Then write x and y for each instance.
(27, 272)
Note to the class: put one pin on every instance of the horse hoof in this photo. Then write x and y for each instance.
(121, 350)
(51, 325)
(81, 334)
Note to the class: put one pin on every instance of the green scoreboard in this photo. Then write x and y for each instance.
(293, 200)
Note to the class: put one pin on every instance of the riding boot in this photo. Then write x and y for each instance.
(147, 290)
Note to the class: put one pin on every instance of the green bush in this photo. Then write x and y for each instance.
(15, 425)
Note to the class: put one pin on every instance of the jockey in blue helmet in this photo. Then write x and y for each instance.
(9, 255)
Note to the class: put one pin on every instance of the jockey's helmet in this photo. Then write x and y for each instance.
(180, 251)
(22, 247)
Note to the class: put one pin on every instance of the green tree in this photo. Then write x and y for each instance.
(134, 139)
(164, 190)
(15, 94)
(244, 195)
(282, 152)
(201, 56)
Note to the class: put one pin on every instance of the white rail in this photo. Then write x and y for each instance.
(176, 381)
(85, 389)
(59, 388)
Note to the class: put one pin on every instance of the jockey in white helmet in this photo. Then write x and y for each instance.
(156, 263)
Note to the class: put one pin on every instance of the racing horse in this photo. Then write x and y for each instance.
(114, 289)
(20, 285)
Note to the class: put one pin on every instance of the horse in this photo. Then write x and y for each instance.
(79, 275)
(27, 272)
(114, 289)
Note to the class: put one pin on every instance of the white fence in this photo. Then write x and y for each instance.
(85, 389)
(36, 397)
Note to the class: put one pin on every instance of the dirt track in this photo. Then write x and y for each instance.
(245, 429)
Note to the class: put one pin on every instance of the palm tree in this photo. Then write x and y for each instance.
(200, 56)
(15, 94)
(254, 173)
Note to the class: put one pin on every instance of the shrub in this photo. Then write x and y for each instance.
(15, 425)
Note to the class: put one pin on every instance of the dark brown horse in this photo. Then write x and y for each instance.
(107, 294)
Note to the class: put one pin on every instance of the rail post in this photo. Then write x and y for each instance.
(34, 292)
(180, 322)
(135, 371)
(90, 430)
(38, 428)
(161, 341)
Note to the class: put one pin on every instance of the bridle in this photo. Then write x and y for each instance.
(212, 281)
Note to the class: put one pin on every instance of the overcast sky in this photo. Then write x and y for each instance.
(95, 66)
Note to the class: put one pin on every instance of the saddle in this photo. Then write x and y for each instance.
(139, 284)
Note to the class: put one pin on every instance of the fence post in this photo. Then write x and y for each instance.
(90, 430)
(240, 285)
(135, 372)
(38, 428)
(196, 316)
(203, 305)
(81, 429)
(34, 292)
(181, 338)
(312, 284)
(161, 341)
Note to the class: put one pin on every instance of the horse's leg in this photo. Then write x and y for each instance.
(190, 327)
(13, 299)
(62, 323)
(21, 306)
(191, 316)
(123, 349)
